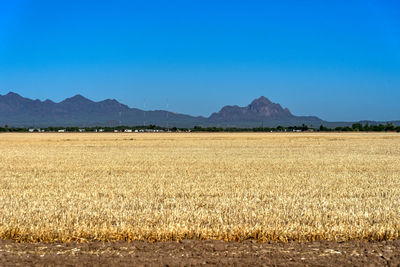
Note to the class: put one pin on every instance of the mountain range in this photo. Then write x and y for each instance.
(18, 111)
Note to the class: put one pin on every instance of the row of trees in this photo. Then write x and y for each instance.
(357, 127)
(389, 127)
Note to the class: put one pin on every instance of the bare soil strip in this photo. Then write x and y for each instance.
(194, 252)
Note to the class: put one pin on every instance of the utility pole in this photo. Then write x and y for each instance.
(144, 112)
(120, 115)
(167, 113)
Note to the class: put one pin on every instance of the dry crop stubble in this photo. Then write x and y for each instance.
(270, 186)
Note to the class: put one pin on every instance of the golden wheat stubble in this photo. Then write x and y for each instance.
(263, 186)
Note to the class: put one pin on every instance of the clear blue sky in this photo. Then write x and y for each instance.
(339, 60)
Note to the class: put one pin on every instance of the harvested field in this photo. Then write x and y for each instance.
(161, 187)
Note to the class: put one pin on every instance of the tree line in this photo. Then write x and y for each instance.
(356, 127)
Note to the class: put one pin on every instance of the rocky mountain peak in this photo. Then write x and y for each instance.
(78, 99)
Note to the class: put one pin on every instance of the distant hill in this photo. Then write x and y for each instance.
(18, 111)
(259, 112)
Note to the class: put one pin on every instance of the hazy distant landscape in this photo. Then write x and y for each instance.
(78, 111)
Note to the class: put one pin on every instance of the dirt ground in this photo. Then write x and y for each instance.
(194, 252)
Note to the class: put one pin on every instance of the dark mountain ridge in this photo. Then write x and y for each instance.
(18, 111)
(259, 112)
